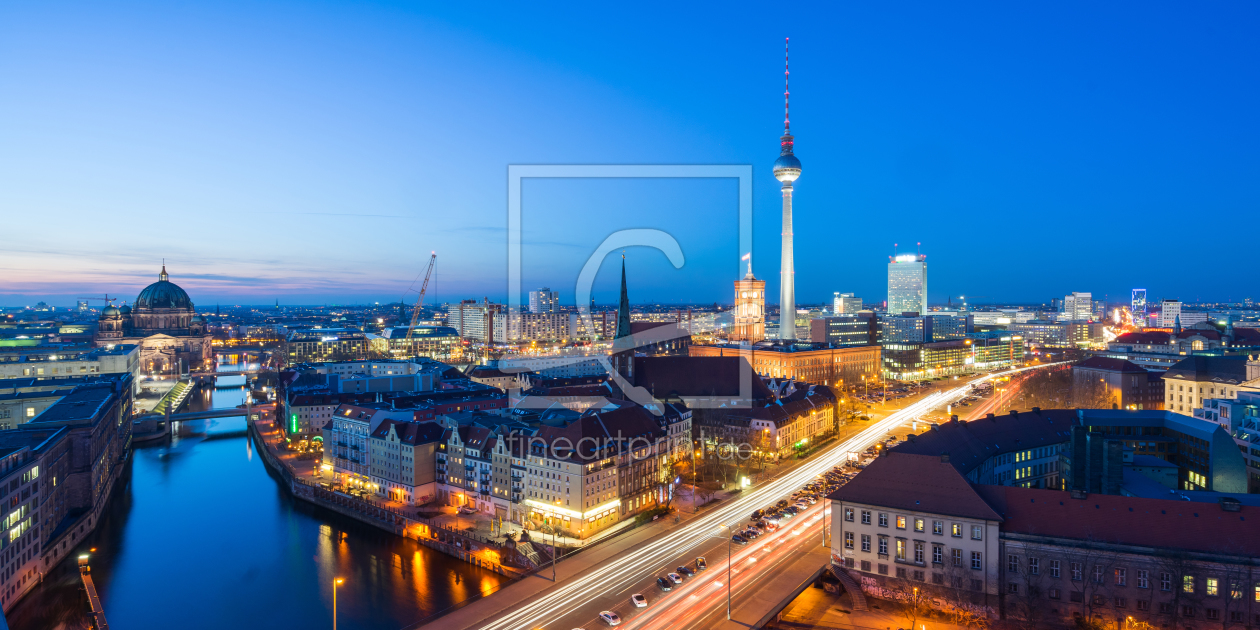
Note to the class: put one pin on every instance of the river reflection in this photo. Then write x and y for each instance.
(200, 536)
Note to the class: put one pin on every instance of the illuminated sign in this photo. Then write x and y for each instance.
(329, 338)
(906, 258)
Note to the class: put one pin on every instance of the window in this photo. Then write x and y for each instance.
(1212, 589)
(1098, 574)
(956, 530)
(883, 569)
(901, 522)
(956, 555)
(1187, 611)
(1120, 602)
(1076, 596)
(1034, 566)
(1144, 578)
(1012, 563)
(938, 554)
(866, 543)
(883, 546)
(901, 573)
(1143, 605)
(918, 551)
(1235, 590)
(1187, 583)
(938, 578)
(848, 540)
(938, 527)
(918, 524)
(977, 585)
(1236, 616)
(1054, 568)
(1122, 577)
(1165, 584)
(883, 520)
(848, 514)
(1166, 608)
(975, 532)
(975, 561)
(1012, 588)
(1212, 613)
(1055, 594)
(1077, 572)
(901, 548)
(866, 566)
(866, 517)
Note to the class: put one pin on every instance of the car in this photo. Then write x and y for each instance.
(781, 504)
(813, 500)
(674, 577)
(685, 570)
(758, 514)
(750, 533)
(739, 540)
(467, 510)
(701, 564)
(638, 600)
(611, 618)
(665, 584)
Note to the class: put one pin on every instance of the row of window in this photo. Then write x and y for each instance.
(1142, 577)
(938, 527)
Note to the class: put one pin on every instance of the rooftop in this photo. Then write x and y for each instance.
(969, 444)
(915, 483)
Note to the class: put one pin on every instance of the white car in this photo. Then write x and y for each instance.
(638, 600)
(610, 618)
(675, 578)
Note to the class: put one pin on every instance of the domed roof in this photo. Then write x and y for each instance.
(787, 161)
(125, 310)
(163, 294)
(110, 311)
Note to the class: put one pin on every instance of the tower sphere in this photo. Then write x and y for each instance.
(787, 168)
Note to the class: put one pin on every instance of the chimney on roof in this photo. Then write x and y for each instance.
(992, 417)
(1014, 413)
(953, 418)
(945, 457)
(1079, 494)
(1229, 504)
(1037, 410)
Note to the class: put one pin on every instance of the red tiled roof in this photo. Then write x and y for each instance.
(1109, 364)
(1196, 527)
(920, 483)
(1153, 338)
(1206, 334)
(695, 376)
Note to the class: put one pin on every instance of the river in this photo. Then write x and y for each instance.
(200, 536)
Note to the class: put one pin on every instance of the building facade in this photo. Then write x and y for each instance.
(163, 322)
(907, 284)
(748, 321)
(818, 363)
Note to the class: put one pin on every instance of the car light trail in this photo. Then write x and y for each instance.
(582, 590)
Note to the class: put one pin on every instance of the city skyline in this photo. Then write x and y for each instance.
(283, 170)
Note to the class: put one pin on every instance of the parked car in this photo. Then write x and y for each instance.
(464, 509)
(739, 540)
(685, 570)
(638, 600)
(665, 584)
(610, 618)
(701, 564)
(758, 514)
(674, 577)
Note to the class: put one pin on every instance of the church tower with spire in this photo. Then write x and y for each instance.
(623, 344)
(749, 319)
(786, 169)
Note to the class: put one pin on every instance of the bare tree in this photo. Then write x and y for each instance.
(911, 598)
(1028, 569)
(1088, 570)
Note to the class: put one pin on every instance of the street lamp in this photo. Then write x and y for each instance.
(729, 538)
(337, 582)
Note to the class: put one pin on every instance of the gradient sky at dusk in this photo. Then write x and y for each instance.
(316, 152)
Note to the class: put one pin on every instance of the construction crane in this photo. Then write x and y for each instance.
(107, 300)
(415, 311)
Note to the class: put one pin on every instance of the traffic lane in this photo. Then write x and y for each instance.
(707, 592)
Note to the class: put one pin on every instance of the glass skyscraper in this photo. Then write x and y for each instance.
(907, 284)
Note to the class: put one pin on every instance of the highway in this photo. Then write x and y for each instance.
(577, 602)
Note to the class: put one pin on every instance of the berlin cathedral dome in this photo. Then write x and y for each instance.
(164, 323)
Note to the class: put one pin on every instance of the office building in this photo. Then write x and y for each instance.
(474, 320)
(1195, 379)
(1078, 307)
(845, 304)
(1127, 384)
(543, 300)
(907, 284)
(434, 342)
(312, 345)
(1170, 314)
(510, 327)
(748, 322)
(1241, 418)
(845, 330)
(1137, 306)
(818, 363)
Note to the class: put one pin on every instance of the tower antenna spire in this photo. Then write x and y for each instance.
(786, 91)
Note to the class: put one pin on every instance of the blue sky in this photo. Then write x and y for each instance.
(317, 151)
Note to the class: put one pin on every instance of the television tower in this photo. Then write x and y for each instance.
(786, 169)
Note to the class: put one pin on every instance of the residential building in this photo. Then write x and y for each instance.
(35, 507)
(346, 455)
(1170, 314)
(66, 361)
(793, 416)
(474, 320)
(546, 326)
(543, 300)
(1241, 418)
(402, 460)
(907, 284)
(1195, 379)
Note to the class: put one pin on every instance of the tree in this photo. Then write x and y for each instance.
(1027, 567)
(705, 491)
(1088, 570)
(912, 599)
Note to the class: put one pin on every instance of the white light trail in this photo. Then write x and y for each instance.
(581, 591)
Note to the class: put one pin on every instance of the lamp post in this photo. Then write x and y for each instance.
(336, 583)
(729, 538)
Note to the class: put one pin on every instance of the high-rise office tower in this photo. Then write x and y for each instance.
(1078, 306)
(845, 304)
(1137, 307)
(749, 320)
(542, 301)
(1169, 313)
(907, 284)
(786, 169)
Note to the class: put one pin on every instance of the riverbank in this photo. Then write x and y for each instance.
(475, 550)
